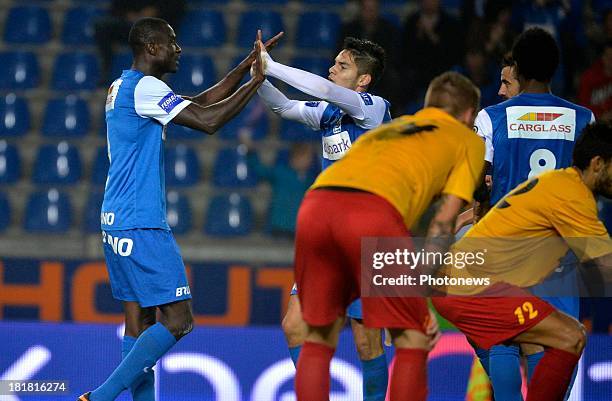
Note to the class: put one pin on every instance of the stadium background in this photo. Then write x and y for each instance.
(56, 310)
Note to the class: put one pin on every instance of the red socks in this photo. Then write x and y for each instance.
(409, 376)
(552, 376)
(312, 379)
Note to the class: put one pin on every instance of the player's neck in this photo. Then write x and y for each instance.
(533, 86)
(587, 177)
(147, 68)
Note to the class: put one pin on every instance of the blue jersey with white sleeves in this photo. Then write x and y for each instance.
(138, 107)
(528, 135)
(338, 129)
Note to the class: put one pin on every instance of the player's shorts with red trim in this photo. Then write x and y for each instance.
(488, 321)
(330, 225)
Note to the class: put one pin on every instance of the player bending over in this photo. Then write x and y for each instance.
(558, 203)
(379, 189)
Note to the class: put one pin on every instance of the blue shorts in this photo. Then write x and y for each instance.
(145, 266)
(353, 311)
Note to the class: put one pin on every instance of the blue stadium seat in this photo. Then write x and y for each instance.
(195, 73)
(253, 118)
(231, 169)
(121, 61)
(99, 169)
(318, 30)
(75, 71)
(317, 65)
(203, 28)
(10, 163)
(182, 168)
(91, 214)
(175, 131)
(5, 212)
(267, 2)
(79, 25)
(66, 116)
(57, 164)
(293, 131)
(48, 211)
(228, 216)
(178, 212)
(19, 70)
(270, 23)
(14, 115)
(27, 24)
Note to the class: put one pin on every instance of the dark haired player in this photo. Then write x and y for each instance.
(346, 111)
(559, 203)
(525, 136)
(144, 264)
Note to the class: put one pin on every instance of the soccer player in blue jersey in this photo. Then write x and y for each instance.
(525, 136)
(144, 264)
(345, 111)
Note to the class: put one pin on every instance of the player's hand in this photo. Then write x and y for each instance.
(257, 68)
(272, 42)
(433, 330)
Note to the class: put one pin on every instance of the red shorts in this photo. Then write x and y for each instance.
(330, 225)
(488, 321)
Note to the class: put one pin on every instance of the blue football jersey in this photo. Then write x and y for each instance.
(138, 107)
(528, 135)
(339, 130)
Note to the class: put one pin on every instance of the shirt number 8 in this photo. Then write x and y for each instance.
(535, 162)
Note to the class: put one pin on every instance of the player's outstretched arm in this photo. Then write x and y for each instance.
(230, 82)
(287, 108)
(348, 100)
(210, 118)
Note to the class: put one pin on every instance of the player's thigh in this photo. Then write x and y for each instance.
(410, 338)
(326, 334)
(137, 318)
(556, 330)
(293, 323)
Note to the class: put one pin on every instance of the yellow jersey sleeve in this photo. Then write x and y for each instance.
(466, 174)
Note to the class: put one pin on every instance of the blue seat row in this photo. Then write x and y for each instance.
(31, 24)
(61, 164)
(51, 211)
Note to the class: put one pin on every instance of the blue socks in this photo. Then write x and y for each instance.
(143, 388)
(375, 378)
(150, 346)
(483, 355)
(532, 362)
(505, 373)
(295, 354)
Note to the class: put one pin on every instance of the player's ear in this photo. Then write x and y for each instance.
(364, 80)
(151, 48)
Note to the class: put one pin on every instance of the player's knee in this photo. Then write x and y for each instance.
(181, 327)
(368, 344)
(293, 327)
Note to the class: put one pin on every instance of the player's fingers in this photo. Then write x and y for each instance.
(259, 34)
(274, 41)
(434, 340)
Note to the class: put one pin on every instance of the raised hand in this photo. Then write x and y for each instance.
(257, 68)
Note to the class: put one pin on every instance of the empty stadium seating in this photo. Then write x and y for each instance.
(19, 70)
(231, 169)
(252, 120)
(27, 24)
(48, 211)
(296, 132)
(318, 30)
(66, 116)
(203, 28)
(270, 23)
(91, 213)
(178, 212)
(196, 73)
(228, 216)
(10, 163)
(5, 212)
(14, 115)
(74, 71)
(99, 169)
(79, 26)
(182, 166)
(57, 164)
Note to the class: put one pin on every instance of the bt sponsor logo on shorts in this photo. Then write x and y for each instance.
(107, 218)
(120, 246)
(180, 291)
